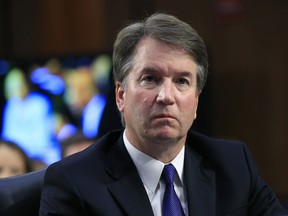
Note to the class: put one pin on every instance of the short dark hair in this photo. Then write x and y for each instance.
(165, 28)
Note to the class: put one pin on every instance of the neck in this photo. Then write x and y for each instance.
(163, 150)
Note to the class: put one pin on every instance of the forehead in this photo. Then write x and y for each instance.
(151, 52)
(10, 155)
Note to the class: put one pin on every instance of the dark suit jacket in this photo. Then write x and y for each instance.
(220, 177)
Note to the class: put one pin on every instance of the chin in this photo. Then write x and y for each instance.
(165, 134)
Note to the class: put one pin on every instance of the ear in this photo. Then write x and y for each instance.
(196, 106)
(120, 96)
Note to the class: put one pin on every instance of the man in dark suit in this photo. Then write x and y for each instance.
(155, 166)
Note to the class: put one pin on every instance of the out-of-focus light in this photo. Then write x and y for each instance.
(47, 81)
(92, 114)
(84, 62)
(66, 131)
(15, 84)
(4, 67)
(69, 62)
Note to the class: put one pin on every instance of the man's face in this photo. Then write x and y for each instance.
(160, 100)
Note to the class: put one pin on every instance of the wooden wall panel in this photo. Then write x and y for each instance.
(71, 26)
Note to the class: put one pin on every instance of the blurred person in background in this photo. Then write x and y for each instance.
(75, 143)
(28, 119)
(84, 99)
(13, 160)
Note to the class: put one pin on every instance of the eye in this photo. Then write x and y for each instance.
(182, 81)
(149, 78)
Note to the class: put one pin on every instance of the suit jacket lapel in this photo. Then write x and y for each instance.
(127, 189)
(200, 185)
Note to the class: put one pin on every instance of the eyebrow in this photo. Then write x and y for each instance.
(150, 70)
(186, 74)
(155, 70)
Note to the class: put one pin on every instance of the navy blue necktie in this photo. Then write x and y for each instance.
(171, 202)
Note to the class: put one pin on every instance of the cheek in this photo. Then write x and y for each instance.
(189, 106)
(138, 103)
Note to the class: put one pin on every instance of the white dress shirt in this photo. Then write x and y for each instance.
(150, 171)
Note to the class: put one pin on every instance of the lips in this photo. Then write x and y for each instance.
(164, 116)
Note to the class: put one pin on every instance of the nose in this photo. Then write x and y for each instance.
(166, 93)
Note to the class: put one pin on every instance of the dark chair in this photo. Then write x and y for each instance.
(20, 195)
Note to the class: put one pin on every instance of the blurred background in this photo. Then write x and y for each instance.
(58, 52)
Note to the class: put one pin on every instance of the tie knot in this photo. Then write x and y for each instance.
(168, 174)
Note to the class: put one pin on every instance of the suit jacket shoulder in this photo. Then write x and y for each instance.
(227, 174)
(101, 180)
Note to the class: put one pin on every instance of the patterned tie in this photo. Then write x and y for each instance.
(171, 202)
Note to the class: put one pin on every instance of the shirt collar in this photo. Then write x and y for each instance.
(150, 169)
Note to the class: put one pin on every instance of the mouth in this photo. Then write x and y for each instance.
(164, 116)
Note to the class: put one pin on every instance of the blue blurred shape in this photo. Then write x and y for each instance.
(92, 115)
(4, 66)
(47, 81)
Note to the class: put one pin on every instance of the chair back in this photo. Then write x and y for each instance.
(20, 195)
